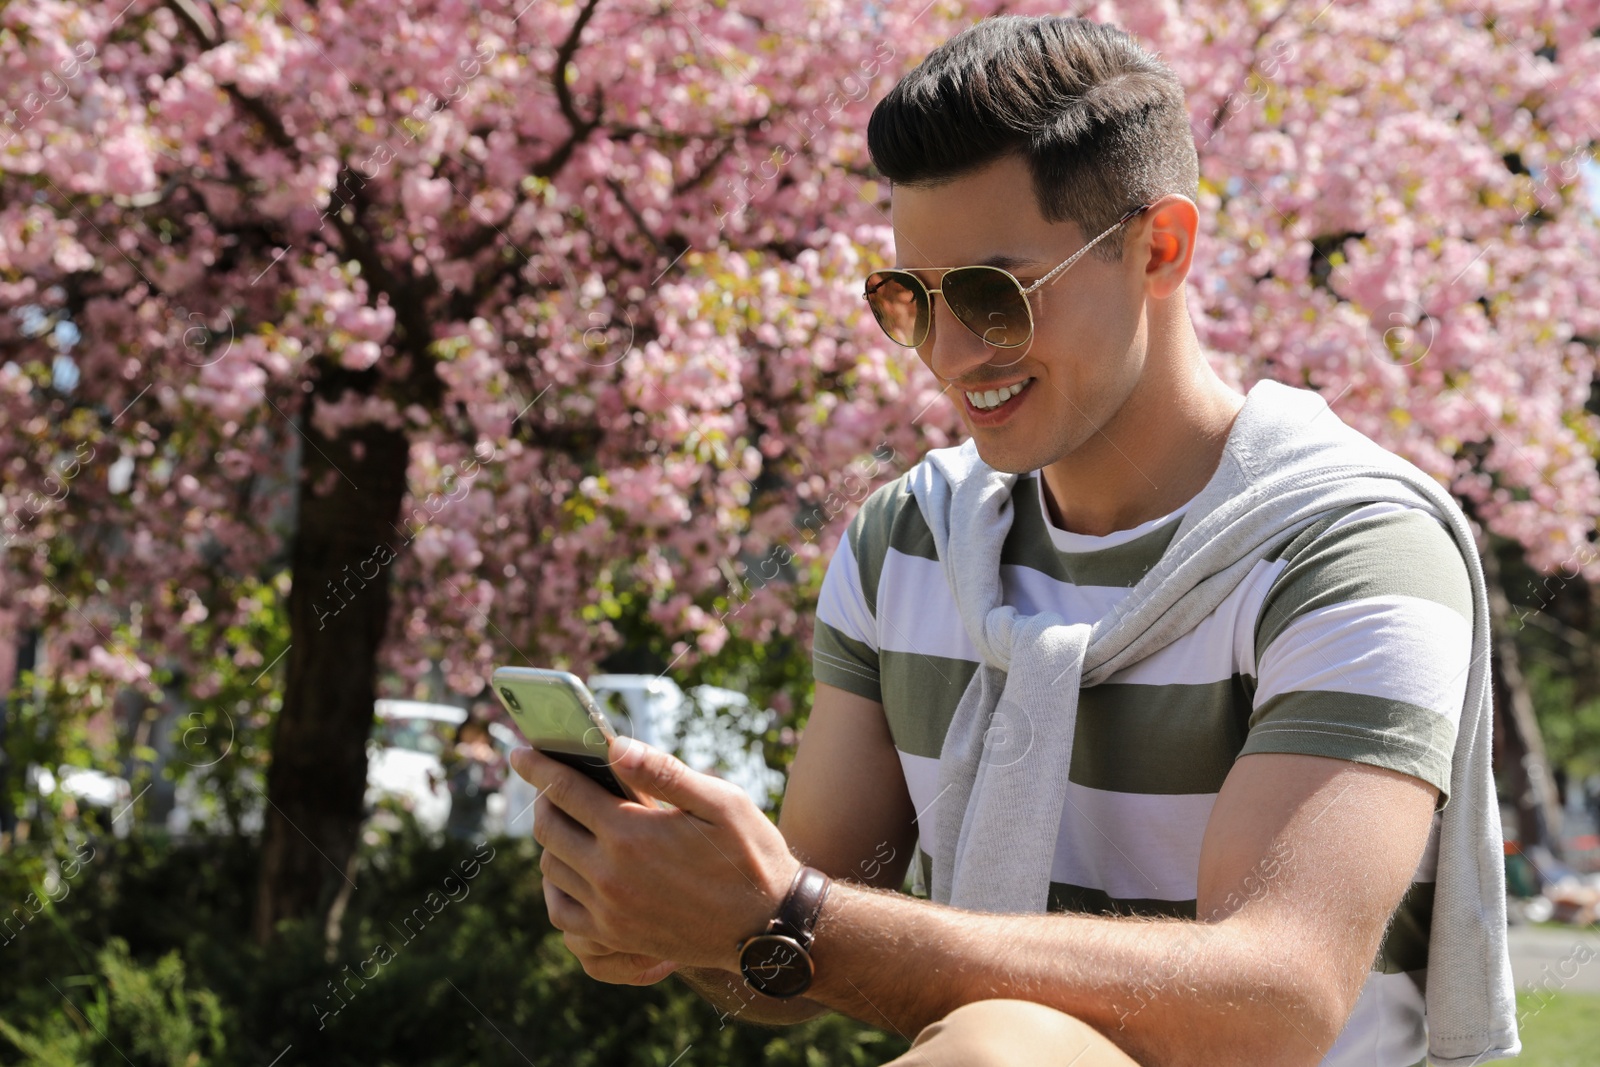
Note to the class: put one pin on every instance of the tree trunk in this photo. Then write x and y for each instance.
(1519, 745)
(349, 493)
(20, 651)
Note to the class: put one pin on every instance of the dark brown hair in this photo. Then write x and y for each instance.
(1100, 121)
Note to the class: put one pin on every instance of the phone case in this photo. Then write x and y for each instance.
(556, 714)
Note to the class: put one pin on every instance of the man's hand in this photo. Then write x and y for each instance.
(641, 890)
(607, 965)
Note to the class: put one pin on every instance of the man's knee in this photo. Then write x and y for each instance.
(1003, 1033)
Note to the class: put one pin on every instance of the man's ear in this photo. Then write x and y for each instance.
(1172, 223)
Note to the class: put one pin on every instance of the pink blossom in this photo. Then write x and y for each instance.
(418, 224)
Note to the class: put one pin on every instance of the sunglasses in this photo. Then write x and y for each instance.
(988, 301)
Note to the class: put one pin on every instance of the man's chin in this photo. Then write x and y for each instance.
(1008, 460)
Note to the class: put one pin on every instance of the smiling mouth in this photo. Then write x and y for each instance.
(993, 398)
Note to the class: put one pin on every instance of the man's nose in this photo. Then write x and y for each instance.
(952, 351)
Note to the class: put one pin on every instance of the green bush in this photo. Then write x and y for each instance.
(446, 957)
(144, 1013)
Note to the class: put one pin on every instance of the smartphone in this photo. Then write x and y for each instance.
(557, 715)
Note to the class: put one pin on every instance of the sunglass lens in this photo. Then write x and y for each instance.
(987, 301)
(900, 304)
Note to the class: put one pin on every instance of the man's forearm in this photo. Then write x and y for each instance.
(736, 1001)
(1169, 992)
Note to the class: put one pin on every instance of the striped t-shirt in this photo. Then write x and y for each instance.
(1352, 641)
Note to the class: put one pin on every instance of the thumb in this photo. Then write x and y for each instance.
(661, 774)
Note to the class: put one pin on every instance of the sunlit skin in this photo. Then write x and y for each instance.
(1122, 390)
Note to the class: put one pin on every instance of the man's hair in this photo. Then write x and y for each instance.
(1100, 121)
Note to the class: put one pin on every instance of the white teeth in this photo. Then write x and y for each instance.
(993, 398)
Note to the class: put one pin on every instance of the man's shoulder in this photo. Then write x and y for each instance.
(1374, 552)
(890, 518)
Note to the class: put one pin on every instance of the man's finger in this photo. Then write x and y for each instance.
(587, 946)
(622, 969)
(652, 975)
(587, 802)
(660, 774)
(606, 964)
(565, 913)
(559, 832)
(520, 764)
(561, 874)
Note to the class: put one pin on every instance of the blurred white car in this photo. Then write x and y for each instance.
(713, 730)
(109, 795)
(404, 763)
(709, 728)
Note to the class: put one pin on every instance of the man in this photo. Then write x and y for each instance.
(1239, 814)
(473, 770)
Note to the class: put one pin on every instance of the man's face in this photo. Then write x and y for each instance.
(1089, 333)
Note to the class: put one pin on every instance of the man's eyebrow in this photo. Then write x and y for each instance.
(1002, 261)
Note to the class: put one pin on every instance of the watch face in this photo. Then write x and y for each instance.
(776, 965)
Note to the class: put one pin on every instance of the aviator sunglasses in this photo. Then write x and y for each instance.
(989, 301)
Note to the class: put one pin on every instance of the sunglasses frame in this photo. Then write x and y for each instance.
(1023, 291)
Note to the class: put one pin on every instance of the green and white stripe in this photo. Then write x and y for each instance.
(1351, 642)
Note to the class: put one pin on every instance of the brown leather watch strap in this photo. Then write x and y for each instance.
(803, 904)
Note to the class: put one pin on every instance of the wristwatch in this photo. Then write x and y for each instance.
(777, 961)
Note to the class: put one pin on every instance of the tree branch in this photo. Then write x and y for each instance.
(581, 127)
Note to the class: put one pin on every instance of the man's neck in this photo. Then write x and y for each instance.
(1151, 458)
